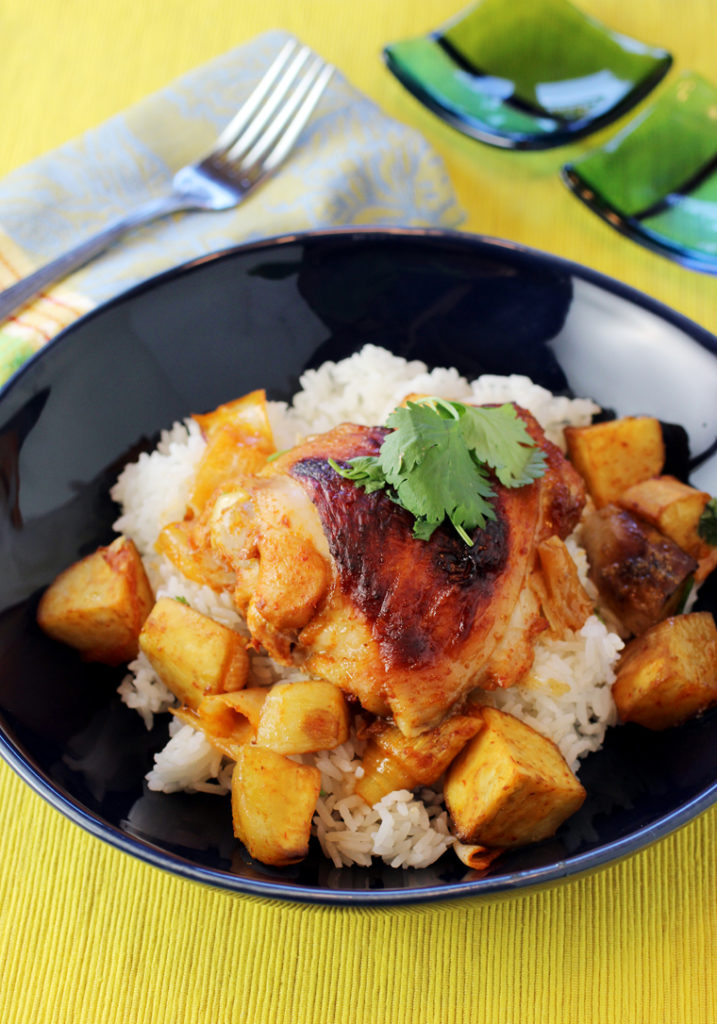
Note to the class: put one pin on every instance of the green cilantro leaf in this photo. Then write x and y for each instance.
(707, 527)
(436, 462)
(505, 445)
(365, 471)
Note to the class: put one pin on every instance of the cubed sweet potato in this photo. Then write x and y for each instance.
(614, 455)
(99, 604)
(668, 674)
(510, 785)
(193, 655)
(273, 803)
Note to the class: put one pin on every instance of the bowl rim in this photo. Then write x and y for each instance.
(471, 240)
(488, 887)
(275, 889)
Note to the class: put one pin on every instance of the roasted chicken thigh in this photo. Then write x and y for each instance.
(330, 577)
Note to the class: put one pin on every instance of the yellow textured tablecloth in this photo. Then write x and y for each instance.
(90, 936)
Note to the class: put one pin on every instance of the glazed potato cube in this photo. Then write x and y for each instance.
(393, 761)
(230, 720)
(613, 456)
(642, 576)
(298, 718)
(273, 802)
(193, 655)
(99, 604)
(509, 786)
(673, 507)
(669, 673)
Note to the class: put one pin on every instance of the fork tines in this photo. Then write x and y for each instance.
(266, 127)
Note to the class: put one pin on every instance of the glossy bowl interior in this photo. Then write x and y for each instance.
(258, 316)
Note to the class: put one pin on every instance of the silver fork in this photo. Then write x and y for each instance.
(251, 147)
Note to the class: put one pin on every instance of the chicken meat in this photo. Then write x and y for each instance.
(331, 578)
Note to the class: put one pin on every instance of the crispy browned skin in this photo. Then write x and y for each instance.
(420, 599)
(407, 626)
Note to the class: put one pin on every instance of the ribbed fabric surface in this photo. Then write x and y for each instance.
(91, 936)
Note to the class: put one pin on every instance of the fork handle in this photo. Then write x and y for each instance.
(12, 298)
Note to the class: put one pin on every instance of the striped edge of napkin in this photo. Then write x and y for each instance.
(26, 333)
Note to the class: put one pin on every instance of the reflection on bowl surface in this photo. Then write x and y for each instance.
(259, 316)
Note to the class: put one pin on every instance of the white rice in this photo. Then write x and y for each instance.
(567, 693)
(144, 691)
(404, 829)
(329, 395)
(155, 490)
(187, 762)
(566, 697)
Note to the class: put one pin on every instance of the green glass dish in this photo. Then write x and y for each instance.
(656, 180)
(526, 74)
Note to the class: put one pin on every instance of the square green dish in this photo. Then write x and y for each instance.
(529, 74)
(656, 180)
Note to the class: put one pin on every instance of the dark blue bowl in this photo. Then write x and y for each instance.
(258, 316)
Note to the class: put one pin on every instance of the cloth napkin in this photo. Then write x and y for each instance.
(352, 165)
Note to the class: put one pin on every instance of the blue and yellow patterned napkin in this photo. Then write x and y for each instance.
(353, 165)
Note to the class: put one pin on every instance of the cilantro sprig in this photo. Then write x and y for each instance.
(438, 459)
(707, 526)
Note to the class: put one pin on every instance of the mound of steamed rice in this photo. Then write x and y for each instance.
(566, 696)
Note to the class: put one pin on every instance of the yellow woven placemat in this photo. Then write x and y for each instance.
(91, 936)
